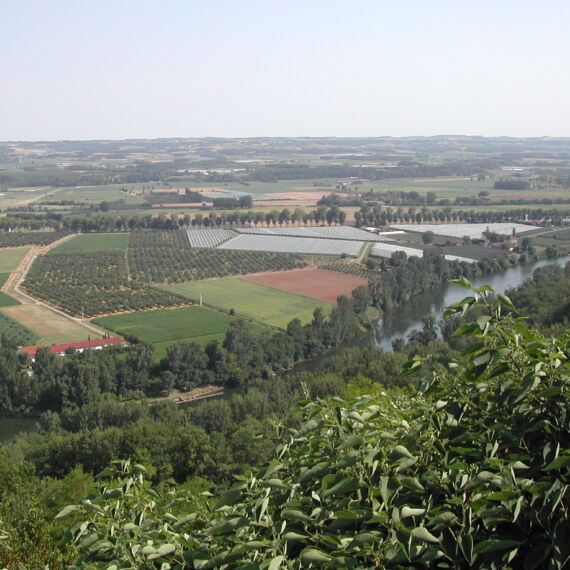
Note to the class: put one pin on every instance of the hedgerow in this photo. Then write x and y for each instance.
(472, 471)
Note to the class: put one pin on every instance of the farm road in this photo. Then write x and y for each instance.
(12, 285)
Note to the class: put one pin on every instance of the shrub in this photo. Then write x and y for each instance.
(471, 471)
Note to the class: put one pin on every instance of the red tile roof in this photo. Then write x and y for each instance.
(59, 348)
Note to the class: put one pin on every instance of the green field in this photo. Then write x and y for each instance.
(263, 304)
(6, 300)
(256, 187)
(16, 332)
(11, 257)
(165, 326)
(95, 194)
(88, 243)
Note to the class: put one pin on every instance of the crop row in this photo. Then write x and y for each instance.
(16, 239)
(92, 284)
(166, 257)
(156, 266)
(355, 269)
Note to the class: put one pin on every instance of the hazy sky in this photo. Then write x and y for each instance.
(84, 69)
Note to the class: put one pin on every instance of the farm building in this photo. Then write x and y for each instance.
(60, 349)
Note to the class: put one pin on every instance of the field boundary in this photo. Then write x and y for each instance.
(12, 285)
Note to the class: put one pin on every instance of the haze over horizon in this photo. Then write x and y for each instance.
(124, 70)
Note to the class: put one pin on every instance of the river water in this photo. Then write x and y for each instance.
(399, 323)
(11, 427)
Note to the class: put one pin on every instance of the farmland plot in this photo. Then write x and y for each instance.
(207, 238)
(285, 244)
(16, 239)
(49, 327)
(16, 332)
(165, 326)
(334, 232)
(263, 304)
(10, 258)
(471, 230)
(165, 256)
(315, 283)
(88, 243)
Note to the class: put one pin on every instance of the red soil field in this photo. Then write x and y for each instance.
(314, 283)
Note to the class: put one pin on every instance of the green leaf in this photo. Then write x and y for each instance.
(558, 463)
(461, 282)
(423, 534)
(294, 515)
(406, 512)
(163, 550)
(275, 562)
(273, 467)
(401, 451)
(353, 440)
(89, 540)
(314, 556)
(411, 483)
(228, 499)
(493, 545)
(343, 487)
(276, 484)
(294, 537)
(67, 511)
(505, 301)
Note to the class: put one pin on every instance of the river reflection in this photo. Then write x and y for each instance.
(400, 322)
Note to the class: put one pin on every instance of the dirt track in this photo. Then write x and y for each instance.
(12, 287)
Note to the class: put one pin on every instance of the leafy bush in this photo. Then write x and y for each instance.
(471, 471)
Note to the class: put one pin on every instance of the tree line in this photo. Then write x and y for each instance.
(381, 216)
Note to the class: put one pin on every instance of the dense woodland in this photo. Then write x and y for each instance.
(203, 446)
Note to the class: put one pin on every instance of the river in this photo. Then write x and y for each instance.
(11, 427)
(398, 323)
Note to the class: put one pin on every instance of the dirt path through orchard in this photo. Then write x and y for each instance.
(12, 287)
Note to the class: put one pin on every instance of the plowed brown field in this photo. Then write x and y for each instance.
(314, 283)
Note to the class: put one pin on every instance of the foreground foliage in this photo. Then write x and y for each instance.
(472, 471)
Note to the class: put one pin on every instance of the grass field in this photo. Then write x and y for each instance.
(255, 187)
(96, 194)
(16, 332)
(263, 304)
(165, 326)
(11, 257)
(88, 243)
(6, 300)
(49, 327)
